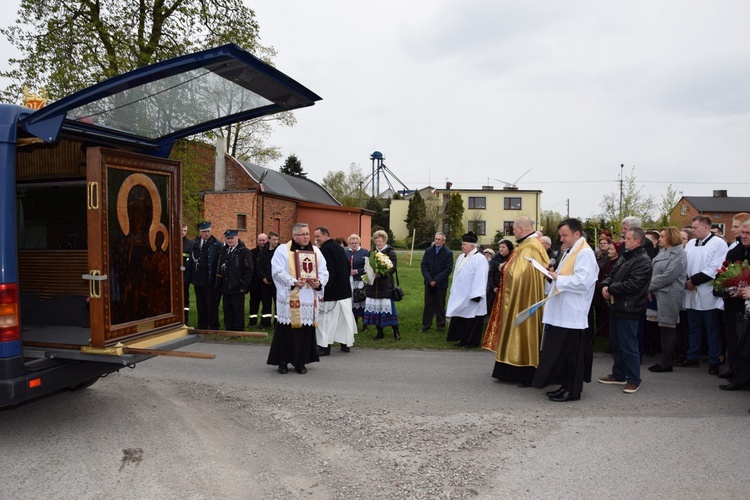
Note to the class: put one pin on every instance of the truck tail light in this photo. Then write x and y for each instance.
(9, 324)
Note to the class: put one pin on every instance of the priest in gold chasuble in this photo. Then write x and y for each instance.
(521, 286)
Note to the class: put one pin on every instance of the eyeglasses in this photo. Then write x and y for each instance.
(302, 234)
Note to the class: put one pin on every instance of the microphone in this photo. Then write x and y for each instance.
(552, 263)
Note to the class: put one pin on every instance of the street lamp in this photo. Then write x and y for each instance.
(622, 165)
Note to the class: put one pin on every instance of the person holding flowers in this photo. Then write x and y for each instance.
(733, 284)
(380, 309)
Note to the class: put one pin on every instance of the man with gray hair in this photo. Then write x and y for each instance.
(632, 222)
(626, 288)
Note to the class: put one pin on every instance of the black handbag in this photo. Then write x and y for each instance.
(358, 295)
(397, 293)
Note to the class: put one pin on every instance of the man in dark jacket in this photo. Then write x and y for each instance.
(336, 321)
(263, 270)
(437, 265)
(626, 289)
(256, 292)
(201, 272)
(233, 280)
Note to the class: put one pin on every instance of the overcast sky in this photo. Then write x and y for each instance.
(475, 92)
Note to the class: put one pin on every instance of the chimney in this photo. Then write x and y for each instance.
(448, 185)
(220, 166)
(720, 193)
(488, 188)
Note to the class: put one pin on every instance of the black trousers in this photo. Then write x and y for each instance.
(562, 359)
(262, 295)
(234, 311)
(207, 302)
(738, 353)
(186, 299)
(434, 305)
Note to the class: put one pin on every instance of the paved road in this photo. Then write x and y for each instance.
(373, 424)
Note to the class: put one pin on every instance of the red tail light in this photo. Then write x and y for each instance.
(9, 324)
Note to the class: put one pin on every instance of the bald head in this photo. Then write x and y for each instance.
(522, 227)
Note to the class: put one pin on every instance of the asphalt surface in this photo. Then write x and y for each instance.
(171, 428)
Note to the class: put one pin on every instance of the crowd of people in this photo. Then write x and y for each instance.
(536, 305)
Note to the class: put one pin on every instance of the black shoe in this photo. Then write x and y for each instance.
(565, 396)
(380, 334)
(441, 329)
(424, 329)
(324, 351)
(520, 384)
(283, 369)
(726, 374)
(730, 387)
(300, 369)
(396, 333)
(557, 392)
(689, 363)
(713, 369)
(345, 348)
(657, 368)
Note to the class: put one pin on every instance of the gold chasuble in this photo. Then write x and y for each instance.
(521, 286)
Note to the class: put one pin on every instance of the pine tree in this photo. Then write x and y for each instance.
(292, 166)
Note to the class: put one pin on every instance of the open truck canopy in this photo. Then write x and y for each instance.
(153, 106)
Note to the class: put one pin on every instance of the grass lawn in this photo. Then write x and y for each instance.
(409, 317)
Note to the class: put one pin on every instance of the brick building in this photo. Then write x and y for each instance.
(241, 201)
(720, 207)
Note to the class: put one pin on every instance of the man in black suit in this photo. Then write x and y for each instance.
(437, 265)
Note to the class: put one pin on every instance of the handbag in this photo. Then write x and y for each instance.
(358, 295)
(397, 293)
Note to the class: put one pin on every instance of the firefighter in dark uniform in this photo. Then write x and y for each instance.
(201, 272)
(256, 291)
(233, 280)
(187, 247)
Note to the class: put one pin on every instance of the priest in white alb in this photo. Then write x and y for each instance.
(299, 272)
(467, 303)
(566, 355)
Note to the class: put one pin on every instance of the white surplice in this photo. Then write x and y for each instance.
(571, 295)
(706, 259)
(285, 281)
(469, 281)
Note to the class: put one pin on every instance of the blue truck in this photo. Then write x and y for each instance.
(90, 211)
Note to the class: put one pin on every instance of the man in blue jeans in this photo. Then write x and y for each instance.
(705, 255)
(626, 290)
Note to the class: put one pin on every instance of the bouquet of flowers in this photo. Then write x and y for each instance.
(732, 277)
(378, 263)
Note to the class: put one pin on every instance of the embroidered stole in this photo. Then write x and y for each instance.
(295, 306)
(568, 264)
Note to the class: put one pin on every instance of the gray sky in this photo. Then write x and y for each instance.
(473, 91)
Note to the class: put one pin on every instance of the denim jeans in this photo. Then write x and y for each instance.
(623, 338)
(697, 320)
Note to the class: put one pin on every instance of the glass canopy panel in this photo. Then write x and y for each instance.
(175, 102)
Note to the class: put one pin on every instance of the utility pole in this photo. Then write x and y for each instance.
(568, 205)
(622, 165)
